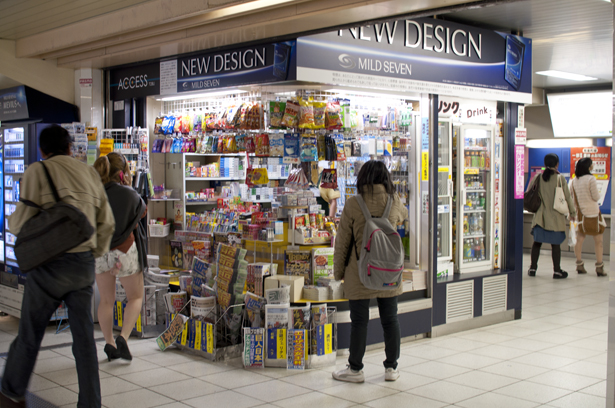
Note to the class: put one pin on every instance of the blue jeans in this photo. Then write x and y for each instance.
(359, 317)
(68, 278)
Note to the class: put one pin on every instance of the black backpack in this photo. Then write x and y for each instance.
(50, 233)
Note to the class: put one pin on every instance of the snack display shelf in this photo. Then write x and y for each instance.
(216, 154)
(208, 202)
(215, 178)
(164, 199)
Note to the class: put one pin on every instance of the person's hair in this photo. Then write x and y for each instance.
(582, 168)
(113, 167)
(551, 162)
(54, 141)
(374, 172)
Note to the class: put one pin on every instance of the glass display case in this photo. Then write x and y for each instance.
(444, 229)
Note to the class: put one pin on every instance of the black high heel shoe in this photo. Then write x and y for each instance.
(111, 352)
(122, 348)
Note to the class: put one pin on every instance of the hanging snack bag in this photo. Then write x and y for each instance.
(333, 119)
(178, 125)
(262, 144)
(309, 151)
(320, 141)
(290, 114)
(240, 142)
(348, 148)
(291, 148)
(341, 153)
(306, 114)
(231, 144)
(319, 114)
(276, 144)
(158, 126)
(185, 125)
(249, 143)
(276, 112)
(329, 178)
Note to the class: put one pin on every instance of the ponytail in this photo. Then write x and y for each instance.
(103, 167)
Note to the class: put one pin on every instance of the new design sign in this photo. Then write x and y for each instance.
(421, 55)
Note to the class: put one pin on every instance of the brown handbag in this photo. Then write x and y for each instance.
(589, 225)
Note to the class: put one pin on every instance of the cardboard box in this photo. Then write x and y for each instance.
(295, 283)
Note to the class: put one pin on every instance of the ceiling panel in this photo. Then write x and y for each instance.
(22, 18)
(568, 35)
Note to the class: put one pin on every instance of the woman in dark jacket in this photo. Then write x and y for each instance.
(374, 183)
(123, 260)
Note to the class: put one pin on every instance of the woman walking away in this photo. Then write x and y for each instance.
(124, 259)
(376, 190)
(586, 196)
(548, 225)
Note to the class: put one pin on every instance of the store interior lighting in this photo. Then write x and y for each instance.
(373, 94)
(548, 143)
(202, 95)
(566, 75)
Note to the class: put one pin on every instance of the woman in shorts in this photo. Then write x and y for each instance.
(123, 260)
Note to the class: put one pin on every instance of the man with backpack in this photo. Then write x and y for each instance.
(369, 257)
(67, 277)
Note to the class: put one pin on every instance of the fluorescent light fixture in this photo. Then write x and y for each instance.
(202, 95)
(609, 142)
(553, 143)
(566, 75)
(360, 93)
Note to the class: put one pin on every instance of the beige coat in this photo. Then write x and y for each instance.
(79, 185)
(353, 223)
(546, 216)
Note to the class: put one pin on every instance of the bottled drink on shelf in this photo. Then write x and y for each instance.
(466, 225)
(480, 224)
(477, 253)
(482, 160)
(467, 249)
(468, 159)
(481, 201)
(483, 255)
(475, 159)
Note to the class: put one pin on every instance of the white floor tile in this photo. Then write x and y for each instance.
(515, 370)
(405, 382)
(540, 359)
(110, 386)
(186, 389)
(448, 392)
(482, 380)
(597, 390)
(39, 383)
(587, 369)
(501, 352)
(469, 360)
(491, 400)
(58, 396)
(571, 352)
(405, 400)
(436, 369)
(53, 364)
(236, 378)
(313, 399)
(224, 399)
(199, 368)
(360, 393)
(428, 352)
(121, 367)
(135, 399)
(564, 380)
(153, 377)
(578, 400)
(272, 391)
(533, 392)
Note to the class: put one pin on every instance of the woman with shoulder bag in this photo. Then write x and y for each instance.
(549, 225)
(586, 196)
(376, 190)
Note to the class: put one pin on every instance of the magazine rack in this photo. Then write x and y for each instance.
(140, 330)
(323, 341)
(213, 341)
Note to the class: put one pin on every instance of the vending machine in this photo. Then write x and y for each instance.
(20, 150)
(474, 198)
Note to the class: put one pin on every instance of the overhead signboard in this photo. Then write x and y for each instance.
(13, 105)
(256, 64)
(421, 55)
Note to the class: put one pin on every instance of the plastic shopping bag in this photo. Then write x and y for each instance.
(572, 234)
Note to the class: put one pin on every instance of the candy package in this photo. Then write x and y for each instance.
(262, 144)
(297, 180)
(178, 125)
(306, 114)
(290, 114)
(158, 126)
(276, 113)
(276, 144)
(328, 178)
(291, 148)
(333, 119)
(341, 153)
(319, 114)
(309, 151)
(257, 177)
(240, 141)
(249, 143)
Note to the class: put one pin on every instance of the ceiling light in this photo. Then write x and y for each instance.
(202, 95)
(566, 75)
(552, 143)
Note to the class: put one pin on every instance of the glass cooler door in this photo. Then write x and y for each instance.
(475, 198)
(444, 231)
(14, 167)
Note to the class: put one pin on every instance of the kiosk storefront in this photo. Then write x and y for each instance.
(437, 101)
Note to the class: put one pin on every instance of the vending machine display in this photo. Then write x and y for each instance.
(14, 167)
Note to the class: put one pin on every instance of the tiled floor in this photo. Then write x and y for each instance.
(555, 356)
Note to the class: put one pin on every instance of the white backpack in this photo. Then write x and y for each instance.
(381, 262)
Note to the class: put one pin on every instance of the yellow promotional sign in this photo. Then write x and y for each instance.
(210, 338)
(197, 338)
(106, 146)
(281, 344)
(139, 329)
(184, 338)
(470, 171)
(328, 338)
(425, 166)
(119, 314)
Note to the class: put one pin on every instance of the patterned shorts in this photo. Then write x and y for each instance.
(129, 262)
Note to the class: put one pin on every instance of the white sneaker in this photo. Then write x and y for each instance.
(349, 375)
(391, 374)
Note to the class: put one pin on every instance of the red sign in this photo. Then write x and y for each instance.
(85, 82)
(601, 157)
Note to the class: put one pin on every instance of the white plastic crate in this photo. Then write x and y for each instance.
(157, 230)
